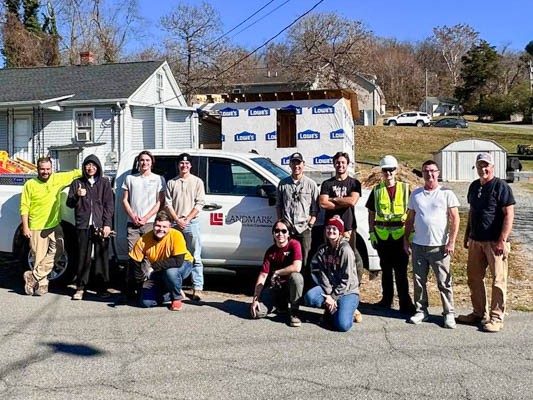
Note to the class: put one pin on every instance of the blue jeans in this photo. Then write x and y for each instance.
(162, 282)
(194, 245)
(342, 319)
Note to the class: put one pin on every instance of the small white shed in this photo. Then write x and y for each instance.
(457, 160)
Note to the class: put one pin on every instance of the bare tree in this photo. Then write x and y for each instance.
(453, 43)
(327, 39)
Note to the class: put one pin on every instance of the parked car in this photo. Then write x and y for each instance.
(409, 118)
(451, 123)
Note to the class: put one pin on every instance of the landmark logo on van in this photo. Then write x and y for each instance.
(291, 107)
(216, 219)
(258, 111)
(323, 109)
(271, 135)
(309, 135)
(338, 134)
(229, 112)
(324, 159)
(245, 136)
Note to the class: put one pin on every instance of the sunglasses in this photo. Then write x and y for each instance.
(388, 169)
(284, 231)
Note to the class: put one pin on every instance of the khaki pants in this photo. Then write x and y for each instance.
(47, 246)
(481, 256)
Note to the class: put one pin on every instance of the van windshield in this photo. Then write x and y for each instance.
(271, 167)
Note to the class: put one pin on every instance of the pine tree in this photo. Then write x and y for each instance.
(30, 18)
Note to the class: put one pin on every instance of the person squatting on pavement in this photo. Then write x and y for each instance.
(40, 206)
(161, 261)
(185, 198)
(333, 267)
(490, 222)
(297, 197)
(91, 197)
(280, 282)
(387, 212)
(338, 196)
(143, 196)
(434, 217)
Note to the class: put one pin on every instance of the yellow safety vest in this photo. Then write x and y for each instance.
(390, 215)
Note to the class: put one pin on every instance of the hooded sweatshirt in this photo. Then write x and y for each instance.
(96, 207)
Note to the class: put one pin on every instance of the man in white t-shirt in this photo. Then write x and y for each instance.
(434, 217)
(143, 196)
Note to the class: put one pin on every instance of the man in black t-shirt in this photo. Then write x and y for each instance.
(338, 196)
(490, 221)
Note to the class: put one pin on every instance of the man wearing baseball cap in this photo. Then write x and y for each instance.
(185, 198)
(297, 197)
(490, 222)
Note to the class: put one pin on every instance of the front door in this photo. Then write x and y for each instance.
(22, 138)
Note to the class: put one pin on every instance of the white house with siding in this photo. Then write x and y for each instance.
(457, 160)
(69, 112)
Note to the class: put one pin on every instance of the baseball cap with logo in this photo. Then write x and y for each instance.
(184, 157)
(487, 157)
(297, 157)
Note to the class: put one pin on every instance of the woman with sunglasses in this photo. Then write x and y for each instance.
(280, 282)
(334, 269)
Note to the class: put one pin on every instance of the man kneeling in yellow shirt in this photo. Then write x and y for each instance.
(162, 262)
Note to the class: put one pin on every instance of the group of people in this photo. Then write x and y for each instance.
(423, 223)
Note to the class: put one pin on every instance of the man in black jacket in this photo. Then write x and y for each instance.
(91, 197)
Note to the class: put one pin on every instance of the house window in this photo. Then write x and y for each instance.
(84, 123)
(286, 128)
(159, 88)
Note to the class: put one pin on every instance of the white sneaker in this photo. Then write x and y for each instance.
(449, 321)
(418, 318)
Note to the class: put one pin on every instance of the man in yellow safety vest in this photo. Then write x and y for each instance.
(387, 212)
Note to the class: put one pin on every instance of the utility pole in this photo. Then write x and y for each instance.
(426, 98)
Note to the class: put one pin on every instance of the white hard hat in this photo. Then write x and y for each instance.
(388, 162)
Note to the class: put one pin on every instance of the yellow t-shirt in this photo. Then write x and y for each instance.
(41, 201)
(148, 247)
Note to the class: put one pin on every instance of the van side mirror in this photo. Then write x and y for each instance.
(268, 191)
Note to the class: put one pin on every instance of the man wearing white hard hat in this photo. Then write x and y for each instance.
(490, 222)
(387, 212)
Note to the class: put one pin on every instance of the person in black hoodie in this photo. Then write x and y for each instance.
(91, 197)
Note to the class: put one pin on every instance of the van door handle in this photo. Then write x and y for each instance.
(211, 207)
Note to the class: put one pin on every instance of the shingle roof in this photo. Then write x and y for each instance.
(85, 82)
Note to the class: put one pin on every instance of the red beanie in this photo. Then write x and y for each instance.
(336, 222)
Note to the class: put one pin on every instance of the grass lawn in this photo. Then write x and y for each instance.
(412, 145)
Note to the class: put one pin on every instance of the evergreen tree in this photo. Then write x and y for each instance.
(31, 19)
(480, 70)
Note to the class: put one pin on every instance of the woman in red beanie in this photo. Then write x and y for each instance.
(333, 267)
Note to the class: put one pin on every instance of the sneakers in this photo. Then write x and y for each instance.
(196, 295)
(449, 321)
(294, 321)
(357, 317)
(472, 319)
(29, 283)
(418, 318)
(41, 290)
(78, 295)
(176, 305)
(493, 326)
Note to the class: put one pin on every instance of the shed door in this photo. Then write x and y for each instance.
(466, 162)
(22, 142)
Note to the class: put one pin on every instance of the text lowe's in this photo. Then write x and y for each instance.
(271, 135)
(308, 135)
(245, 136)
(258, 111)
(290, 107)
(323, 159)
(323, 109)
(229, 112)
(338, 134)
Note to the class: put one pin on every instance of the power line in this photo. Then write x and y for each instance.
(240, 60)
(236, 26)
(260, 19)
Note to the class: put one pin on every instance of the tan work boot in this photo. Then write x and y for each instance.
(493, 326)
(41, 290)
(29, 283)
(472, 319)
(357, 317)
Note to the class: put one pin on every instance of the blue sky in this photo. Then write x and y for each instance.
(499, 22)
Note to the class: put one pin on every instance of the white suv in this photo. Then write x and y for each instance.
(409, 118)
